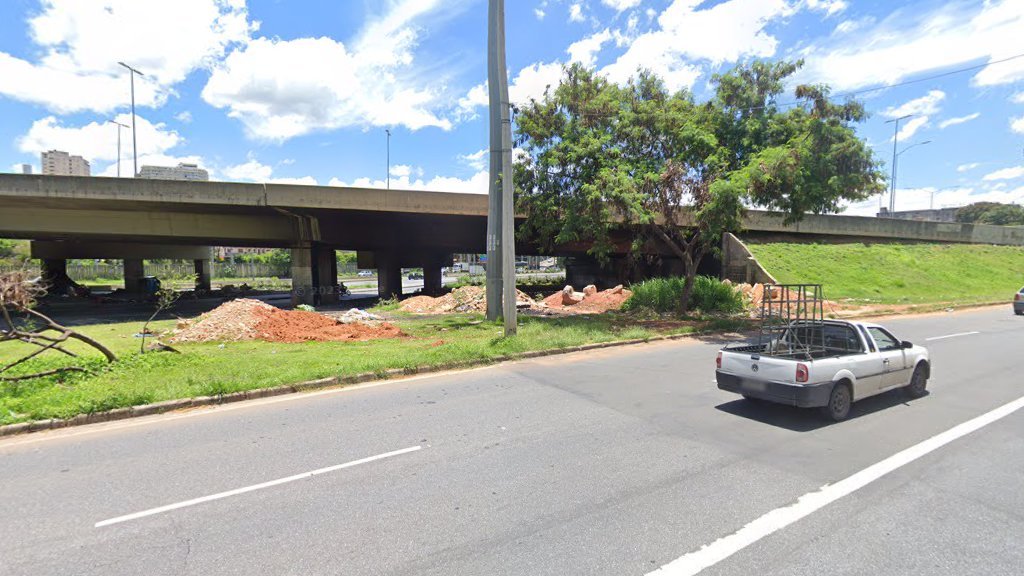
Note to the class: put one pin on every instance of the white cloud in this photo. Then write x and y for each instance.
(97, 141)
(576, 13)
(539, 13)
(958, 120)
(476, 184)
(255, 171)
(477, 160)
(925, 198)
(726, 32)
(532, 81)
(79, 44)
(1017, 98)
(280, 89)
(1005, 174)
(585, 51)
(923, 106)
(621, 5)
(911, 42)
(967, 167)
(1017, 125)
(185, 117)
(911, 127)
(829, 7)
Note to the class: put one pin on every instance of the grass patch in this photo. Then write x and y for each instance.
(899, 274)
(663, 295)
(211, 369)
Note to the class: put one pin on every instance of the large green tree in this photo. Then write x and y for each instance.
(601, 158)
(992, 213)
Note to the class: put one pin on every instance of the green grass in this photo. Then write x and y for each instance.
(663, 295)
(899, 274)
(211, 369)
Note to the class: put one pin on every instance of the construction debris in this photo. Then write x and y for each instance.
(590, 301)
(247, 319)
(464, 299)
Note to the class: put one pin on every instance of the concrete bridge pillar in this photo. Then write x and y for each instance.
(55, 276)
(389, 274)
(325, 275)
(302, 276)
(433, 276)
(134, 272)
(204, 274)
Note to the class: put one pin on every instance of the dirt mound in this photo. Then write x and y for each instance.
(465, 299)
(591, 303)
(246, 319)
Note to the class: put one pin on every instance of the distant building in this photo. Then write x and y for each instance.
(936, 215)
(180, 172)
(58, 163)
(26, 168)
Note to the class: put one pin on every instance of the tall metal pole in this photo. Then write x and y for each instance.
(388, 130)
(119, 126)
(495, 69)
(895, 138)
(135, 151)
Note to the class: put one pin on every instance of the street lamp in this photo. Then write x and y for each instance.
(895, 139)
(895, 161)
(119, 126)
(135, 152)
(388, 130)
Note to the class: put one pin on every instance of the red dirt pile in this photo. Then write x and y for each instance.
(465, 299)
(246, 319)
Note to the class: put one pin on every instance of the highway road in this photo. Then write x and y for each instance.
(627, 461)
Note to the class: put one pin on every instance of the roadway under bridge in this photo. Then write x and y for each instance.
(135, 219)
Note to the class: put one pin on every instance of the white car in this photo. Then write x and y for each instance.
(365, 273)
(829, 364)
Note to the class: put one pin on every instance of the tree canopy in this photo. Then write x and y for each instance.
(992, 213)
(599, 158)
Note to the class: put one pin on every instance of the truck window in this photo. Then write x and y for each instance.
(864, 333)
(842, 339)
(885, 340)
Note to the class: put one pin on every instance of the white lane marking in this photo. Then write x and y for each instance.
(777, 519)
(957, 335)
(237, 491)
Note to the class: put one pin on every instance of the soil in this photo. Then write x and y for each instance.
(598, 303)
(464, 299)
(246, 319)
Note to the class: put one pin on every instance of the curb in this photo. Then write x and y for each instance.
(202, 401)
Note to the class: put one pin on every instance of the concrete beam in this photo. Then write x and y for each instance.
(44, 249)
(134, 272)
(303, 291)
(389, 275)
(325, 275)
(204, 274)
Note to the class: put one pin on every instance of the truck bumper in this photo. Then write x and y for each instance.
(1018, 307)
(804, 396)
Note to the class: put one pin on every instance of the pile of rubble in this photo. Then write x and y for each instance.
(247, 319)
(590, 301)
(464, 299)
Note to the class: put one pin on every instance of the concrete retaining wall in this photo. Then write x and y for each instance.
(739, 264)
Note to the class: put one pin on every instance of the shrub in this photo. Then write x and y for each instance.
(664, 294)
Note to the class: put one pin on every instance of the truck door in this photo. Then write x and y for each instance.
(893, 358)
(871, 368)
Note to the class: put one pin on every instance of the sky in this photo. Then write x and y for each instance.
(303, 91)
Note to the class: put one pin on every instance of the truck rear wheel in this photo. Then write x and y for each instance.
(918, 384)
(839, 402)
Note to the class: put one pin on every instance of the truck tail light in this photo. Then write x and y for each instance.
(718, 361)
(802, 373)
(1016, 297)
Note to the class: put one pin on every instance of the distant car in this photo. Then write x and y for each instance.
(1018, 303)
(365, 273)
(415, 276)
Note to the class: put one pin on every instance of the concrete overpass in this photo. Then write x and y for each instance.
(92, 217)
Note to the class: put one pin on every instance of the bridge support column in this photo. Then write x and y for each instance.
(204, 275)
(134, 272)
(389, 274)
(433, 275)
(325, 275)
(55, 276)
(302, 276)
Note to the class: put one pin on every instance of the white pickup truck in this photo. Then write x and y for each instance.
(828, 364)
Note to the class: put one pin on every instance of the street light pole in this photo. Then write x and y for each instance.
(895, 138)
(119, 126)
(895, 163)
(388, 130)
(135, 151)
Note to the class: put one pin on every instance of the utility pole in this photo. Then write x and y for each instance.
(135, 151)
(892, 184)
(501, 260)
(119, 126)
(388, 130)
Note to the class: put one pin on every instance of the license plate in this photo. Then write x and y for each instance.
(756, 386)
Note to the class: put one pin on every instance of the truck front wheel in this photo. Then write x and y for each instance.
(839, 401)
(918, 384)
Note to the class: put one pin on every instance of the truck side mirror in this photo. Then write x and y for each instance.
(907, 345)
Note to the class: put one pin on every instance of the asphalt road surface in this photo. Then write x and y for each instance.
(613, 462)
